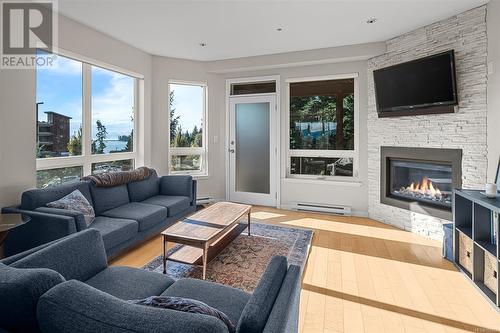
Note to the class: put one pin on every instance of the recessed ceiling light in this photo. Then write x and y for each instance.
(279, 29)
(202, 44)
(371, 21)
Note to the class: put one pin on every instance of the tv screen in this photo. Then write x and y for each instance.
(417, 85)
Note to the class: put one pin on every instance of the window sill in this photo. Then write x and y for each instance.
(353, 182)
(195, 176)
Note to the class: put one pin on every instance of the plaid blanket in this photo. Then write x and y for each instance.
(111, 179)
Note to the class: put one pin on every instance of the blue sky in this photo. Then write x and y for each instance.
(188, 103)
(60, 88)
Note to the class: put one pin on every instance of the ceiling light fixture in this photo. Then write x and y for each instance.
(202, 44)
(371, 21)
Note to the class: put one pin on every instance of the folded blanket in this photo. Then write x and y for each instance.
(111, 179)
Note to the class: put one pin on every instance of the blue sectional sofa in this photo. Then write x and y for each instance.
(67, 286)
(125, 215)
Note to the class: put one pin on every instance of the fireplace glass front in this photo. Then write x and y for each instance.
(427, 182)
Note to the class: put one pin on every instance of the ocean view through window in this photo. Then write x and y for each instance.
(187, 127)
(85, 120)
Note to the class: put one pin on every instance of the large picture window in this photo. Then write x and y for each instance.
(187, 117)
(322, 128)
(85, 121)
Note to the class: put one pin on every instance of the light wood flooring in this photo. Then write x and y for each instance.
(365, 276)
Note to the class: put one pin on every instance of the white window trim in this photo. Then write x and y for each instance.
(202, 151)
(87, 158)
(323, 153)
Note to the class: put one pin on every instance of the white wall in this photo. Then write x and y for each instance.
(17, 133)
(322, 192)
(294, 64)
(165, 69)
(17, 105)
(493, 19)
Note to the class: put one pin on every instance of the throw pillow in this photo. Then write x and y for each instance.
(185, 305)
(77, 202)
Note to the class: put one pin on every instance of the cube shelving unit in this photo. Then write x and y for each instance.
(474, 252)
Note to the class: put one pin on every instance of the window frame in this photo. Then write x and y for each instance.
(202, 151)
(354, 154)
(86, 159)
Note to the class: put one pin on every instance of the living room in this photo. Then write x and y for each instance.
(250, 166)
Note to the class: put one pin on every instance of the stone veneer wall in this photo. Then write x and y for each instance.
(465, 129)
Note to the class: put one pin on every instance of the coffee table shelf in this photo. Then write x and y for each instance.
(194, 256)
(205, 233)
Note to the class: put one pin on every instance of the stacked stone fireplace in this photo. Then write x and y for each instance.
(463, 131)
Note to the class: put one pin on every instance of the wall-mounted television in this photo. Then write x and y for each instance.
(422, 86)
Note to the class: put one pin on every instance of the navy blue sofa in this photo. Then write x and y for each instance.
(67, 286)
(126, 214)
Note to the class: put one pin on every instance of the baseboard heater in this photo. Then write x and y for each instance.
(331, 209)
(204, 200)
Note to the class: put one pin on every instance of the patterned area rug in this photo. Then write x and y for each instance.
(242, 262)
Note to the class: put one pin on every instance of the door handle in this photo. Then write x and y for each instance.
(231, 151)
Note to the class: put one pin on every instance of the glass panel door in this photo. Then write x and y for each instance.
(252, 150)
(252, 147)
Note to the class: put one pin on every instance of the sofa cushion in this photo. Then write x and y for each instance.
(143, 189)
(74, 306)
(115, 231)
(75, 201)
(147, 215)
(20, 290)
(185, 305)
(39, 197)
(130, 283)
(175, 204)
(106, 198)
(254, 316)
(230, 301)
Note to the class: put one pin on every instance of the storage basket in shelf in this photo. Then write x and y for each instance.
(465, 251)
(490, 272)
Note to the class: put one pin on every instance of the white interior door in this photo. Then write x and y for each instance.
(252, 149)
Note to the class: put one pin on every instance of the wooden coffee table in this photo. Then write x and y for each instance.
(205, 233)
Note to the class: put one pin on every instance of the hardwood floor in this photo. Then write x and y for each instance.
(365, 276)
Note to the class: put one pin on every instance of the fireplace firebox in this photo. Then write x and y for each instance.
(420, 179)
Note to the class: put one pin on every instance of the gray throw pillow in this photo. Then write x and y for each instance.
(185, 305)
(77, 202)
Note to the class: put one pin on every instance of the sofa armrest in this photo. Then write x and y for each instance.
(79, 256)
(78, 216)
(179, 185)
(74, 306)
(41, 229)
(284, 317)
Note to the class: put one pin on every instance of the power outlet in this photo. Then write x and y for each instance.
(491, 68)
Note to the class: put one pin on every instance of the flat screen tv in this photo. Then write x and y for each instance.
(422, 86)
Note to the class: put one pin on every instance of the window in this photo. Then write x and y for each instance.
(187, 117)
(59, 108)
(103, 167)
(322, 128)
(85, 121)
(57, 176)
(112, 112)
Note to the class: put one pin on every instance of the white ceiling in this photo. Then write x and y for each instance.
(236, 28)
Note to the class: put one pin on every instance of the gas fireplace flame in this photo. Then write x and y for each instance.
(426, 188)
